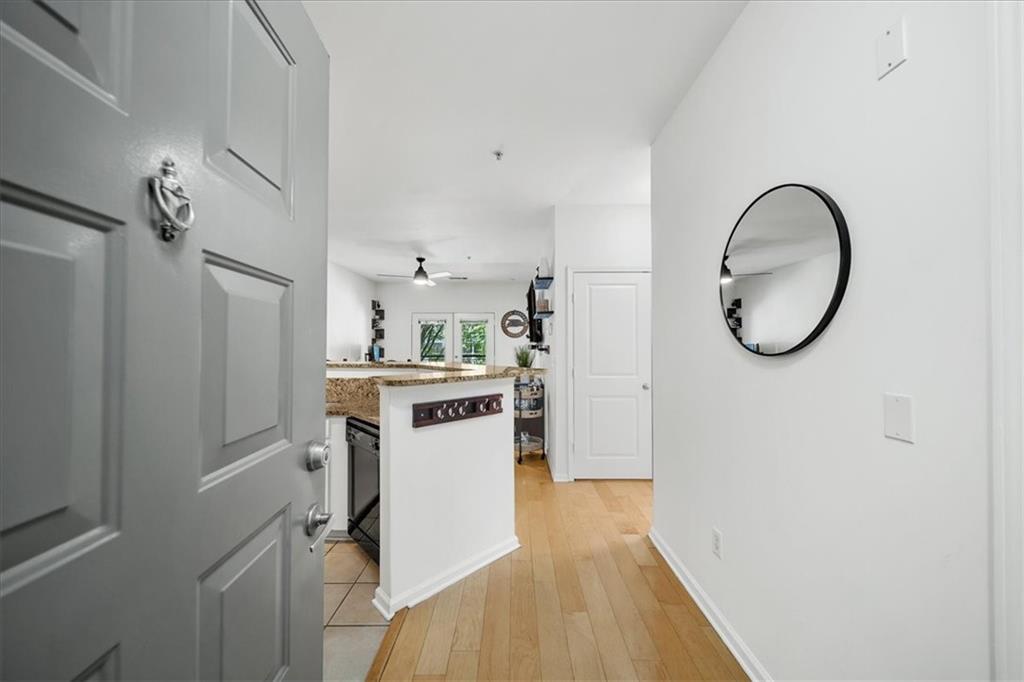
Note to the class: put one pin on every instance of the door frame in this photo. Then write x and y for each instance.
(570, 354)
(1006, 338)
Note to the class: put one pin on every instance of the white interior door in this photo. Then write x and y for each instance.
(158, 397)
(611, 375)
(473, 338)
(432, 337)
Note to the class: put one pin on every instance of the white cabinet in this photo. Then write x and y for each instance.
(336, 495)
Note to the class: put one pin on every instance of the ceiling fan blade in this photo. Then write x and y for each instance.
(431, 283)
(440, 275)
(402, 276)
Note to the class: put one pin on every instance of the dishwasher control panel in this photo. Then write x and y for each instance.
(443, 411)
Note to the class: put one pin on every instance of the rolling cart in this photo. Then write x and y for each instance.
(529, 417)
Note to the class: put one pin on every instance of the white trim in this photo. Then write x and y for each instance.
(570, 359)
(1006, 26)
(389, 606)
(743, 653)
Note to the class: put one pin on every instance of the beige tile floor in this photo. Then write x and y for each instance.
(353, 629)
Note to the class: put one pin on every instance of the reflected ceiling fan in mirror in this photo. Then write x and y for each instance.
(421, 278)
(728, 276)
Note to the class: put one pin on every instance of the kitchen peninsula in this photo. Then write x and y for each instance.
(446, 478)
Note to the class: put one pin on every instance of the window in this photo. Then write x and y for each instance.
(433, 340)
(454, 337)
(473, 335)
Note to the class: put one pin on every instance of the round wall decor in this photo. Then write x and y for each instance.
(514, 324)
(784, 270)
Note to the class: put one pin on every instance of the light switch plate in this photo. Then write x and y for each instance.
(899, 417)
(891, 49)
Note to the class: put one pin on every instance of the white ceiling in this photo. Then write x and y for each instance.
(422, 92)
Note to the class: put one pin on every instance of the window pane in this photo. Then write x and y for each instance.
(474, 342)
(432, 341)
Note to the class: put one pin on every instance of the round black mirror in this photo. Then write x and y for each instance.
(784, 270)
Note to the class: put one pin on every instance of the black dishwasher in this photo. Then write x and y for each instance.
(364, 485)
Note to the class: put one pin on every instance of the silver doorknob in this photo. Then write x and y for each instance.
(646, 387)
(316, 518)
(317, 455)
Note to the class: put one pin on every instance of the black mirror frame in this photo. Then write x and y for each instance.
(842, 277)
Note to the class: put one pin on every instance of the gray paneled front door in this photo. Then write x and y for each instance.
(158, 397)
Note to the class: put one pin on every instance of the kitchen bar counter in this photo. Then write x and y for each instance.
(417, 492)
(423, 373)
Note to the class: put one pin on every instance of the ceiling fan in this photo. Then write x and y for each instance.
(421, 277)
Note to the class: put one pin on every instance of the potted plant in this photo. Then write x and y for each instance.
(525, 356)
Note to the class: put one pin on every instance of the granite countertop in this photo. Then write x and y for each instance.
(435, 372)
(360, 396)
(355, 397)
(368, 412)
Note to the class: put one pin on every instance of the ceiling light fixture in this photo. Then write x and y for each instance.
(420, 277)
(498, 154)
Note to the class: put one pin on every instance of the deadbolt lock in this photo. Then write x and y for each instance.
(317, 455)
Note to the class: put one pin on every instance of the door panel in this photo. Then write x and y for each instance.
(173, 387)
(611, 368)
(247, 325)
(252, 144)
(85, 41)
(613, 314)
(243, 608)
(58, 291)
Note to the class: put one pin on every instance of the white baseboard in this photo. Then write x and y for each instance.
(389, 606)
(746, 658)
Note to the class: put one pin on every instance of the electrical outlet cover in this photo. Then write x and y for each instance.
(899, 417)
(890, 49)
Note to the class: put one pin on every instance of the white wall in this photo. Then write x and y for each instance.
(585, 236)
(402, 299)
(846, 555)
(348, 313)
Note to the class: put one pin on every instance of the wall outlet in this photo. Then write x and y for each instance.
(716, 542)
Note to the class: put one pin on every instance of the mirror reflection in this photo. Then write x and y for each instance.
(784, 269)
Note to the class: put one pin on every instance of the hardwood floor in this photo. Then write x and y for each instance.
(587, 596)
